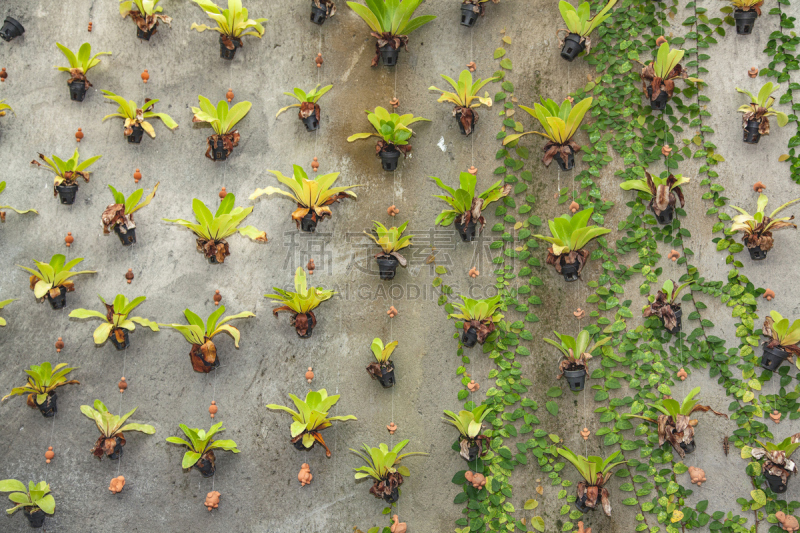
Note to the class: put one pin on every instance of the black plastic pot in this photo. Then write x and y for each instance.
(660, 103)
(66, 193)
(60, 301)
(576, 379)
(117, 449)
(745, 20)
(580, 503)
(37, 516)
(569, 163)
(569, 270)
(299, 446)
(389, 55)
(318, 15)
(387, 265)
(772, 358)
(136, 136)
(50, 406)
(757, 254)
(311, 122)
(687, 448)
(224, 53)
(387, 378)
(218, 153)
(467, 231)
(77, 90)
(120, 345)
(469, 337)
(393, 497)
(308, 223)
(775, 483)
(205, 466)
(389, 159)
(666, 215)
(11, 28)
(461, 126)
(572, 47)
(145, 35)
(310, 328)
(213, 260)
(474, 450)
(468, 16)
(678, 313)
(751, 134)
(126, 238)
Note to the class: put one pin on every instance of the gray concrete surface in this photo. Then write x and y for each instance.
(260, 492)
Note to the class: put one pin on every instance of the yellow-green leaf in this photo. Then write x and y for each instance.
(531, 504)
(500, 52)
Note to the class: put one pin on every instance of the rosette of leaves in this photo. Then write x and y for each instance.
(393, 130)
(136, 116)
(466, 92)
(19, 211)
(747, 5)
(466, 206)
(382, 354)
(116, 320)
(43, 380)
(659, 192)
(301, 303)
(569, 235)
(760, 108)
(200, 334)
(146, 16)
(580, 21)
(560, 123)
(483, 315)
(111, 429)
(478, 6)
(776, 457)
(782, 335)
(383, 465)
(80, 63)
(307, 101)
(66, 173)
(758, 227)
(391, 240)
(390, 22)
(595, 472)
(661, 73)
(53, 277)
(576, 350)
(232, 23)
(4, 303)
(213, 229)
(120, 213)
(222, 120)
(31, 498)
(201, 446)
(311, 417)
(666, 303)
(469, 424)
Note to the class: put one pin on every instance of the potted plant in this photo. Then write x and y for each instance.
(390, 22)
(146, 16)
(212, 230)
(579, 27)
(468, 209)
(674, 425)
(79, 65)
(322, 10)
(201, 448)
(116, 323)
(309, 108)
(311, 418)
(43, 380)
(200, 334)
(52, 282)
(11, 29)
(222, 120)
(135, 123)
(570, 235)
(466, 92)
(119, 215)
(662, 193)
(394, 133)
(311, 196)
(111, 428)
(595, 472)
(383, 368)
(754, 120)
(300, 304)
(783, 340)
(469, 424)
(560, 124)
(577, 353)
(65, 183)
(232, 24)
(658, 76)
(4, 303)
(666, 306)
(776, 467)
(35, 500)
(745, 14)
(471, 10)
(758, 228)
(391, 241)
(19, 211)
(480, 318)
(384, 467)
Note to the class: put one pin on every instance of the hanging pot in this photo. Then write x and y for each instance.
(660, 103)
(145, 35)
(389, 55)
(461, 126)
(666, 216)
(387, 380)
(77, 90)
(298, 445)
(60, 301)
(751, 134)
(756, 253)
(198, 363)
(393, 497)
(569, 270)
(318, 14)
(389, 159)
(678, 313)
(224, 53)
(49, 407)
(307, 223)
(572, 46)
(136, 136)
(310, 327)
(206, 464)
(387, 266)
(580, 503)
(775, 483)
(120, 345)
(569, 163)
(576, 378)
(311, 122)
(745, 20)
(11, 28)
(687, 448)
(127, 238)
(468, 15)
(772, 358)
(474, 450)
(469, 337)
(467, 231)
(117, 453)
(219, 153)
(66, 193)
(34, 515)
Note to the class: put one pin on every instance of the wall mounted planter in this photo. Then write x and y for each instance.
(225, 53)
(309, 222)
(66, 193)
(772, 358)
(206, 464)
(576, 378)
(11, 29)
(466, 231)
(389, 55)
(775, 483)
(666, 216)
(569, 163)
(318, 14)
(136, 136)
(745, 20)
(311, 321)
(127, 238)
(573, 46)
(678, 313)
(311, 122)
(569, 270)
(35, 516)
(387, 265)
(751, 134)
(145, 35)
(468, 15)
(389, 159)
(49, 407)
(77, 90)
(60, 301)
(756, 253)
(660, 103)
(125, 340)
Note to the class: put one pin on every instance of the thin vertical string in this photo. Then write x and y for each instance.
(124, 360)
(213, 398)
(319, 68)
